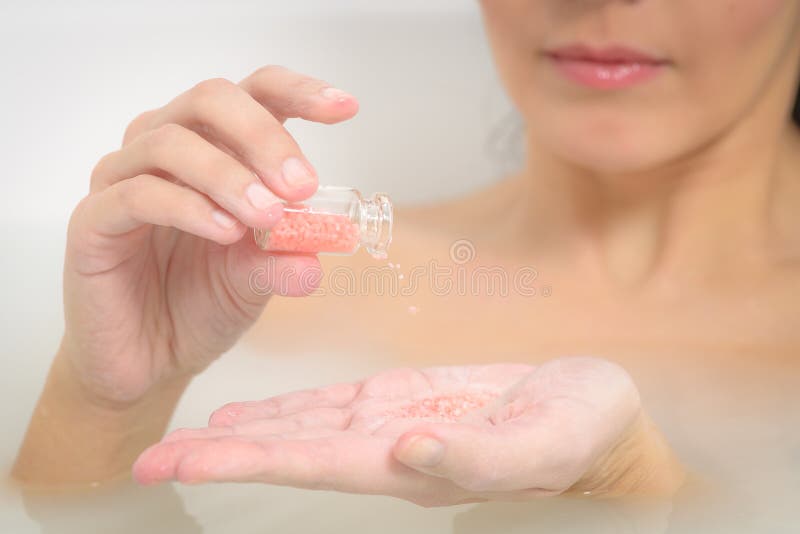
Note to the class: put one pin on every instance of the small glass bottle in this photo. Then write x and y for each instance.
(335, 220)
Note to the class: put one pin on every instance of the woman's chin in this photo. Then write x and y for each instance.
(610, 165)
(611, 142)
(614, 157)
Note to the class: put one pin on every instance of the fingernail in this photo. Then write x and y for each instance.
(332, 93)
(275, 213)
(296, 173)
(424, 452)
(260, 197)
(223, 219)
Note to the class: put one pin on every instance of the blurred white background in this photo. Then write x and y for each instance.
(77, 72)
(74, 75)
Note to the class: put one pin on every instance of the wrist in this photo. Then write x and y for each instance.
(76, 438)
(108, 392)
(641, 463)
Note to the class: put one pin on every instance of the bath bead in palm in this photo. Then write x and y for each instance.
(335, 220)
(445, 407)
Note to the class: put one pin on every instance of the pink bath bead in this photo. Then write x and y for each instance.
(303, 231)
(447, 407)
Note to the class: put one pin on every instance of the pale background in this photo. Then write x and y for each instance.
(75, 73)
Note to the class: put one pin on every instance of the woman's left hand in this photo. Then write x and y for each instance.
(436, 436)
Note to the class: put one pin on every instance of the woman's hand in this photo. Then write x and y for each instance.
(157, 275)
(157, 271)
(437, 436)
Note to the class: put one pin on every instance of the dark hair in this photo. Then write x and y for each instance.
(796, 110)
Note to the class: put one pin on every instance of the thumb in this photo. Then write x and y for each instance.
(256, 275)
(481, 458)
(467, 455)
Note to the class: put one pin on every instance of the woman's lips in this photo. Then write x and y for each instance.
(605, 68)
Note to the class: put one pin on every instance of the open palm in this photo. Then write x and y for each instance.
(505, 432)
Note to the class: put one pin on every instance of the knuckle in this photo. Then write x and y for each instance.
(80, 236)
(129, 194)
(298, 104)
(232, 178)
(295, 87)
(137, 126)
(159, 142)
(100, 170)
(306, 84)
(167, 133)
(298, 100)
(259, 133)
(211, 88)
(73, 226)
(268, 71)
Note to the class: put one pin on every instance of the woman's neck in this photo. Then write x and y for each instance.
(715, 207)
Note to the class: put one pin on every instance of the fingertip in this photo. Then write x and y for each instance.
(337, 106)
(138, 474)
(158, 462)
(226, 415)
(334, 94)
(147, 470)
(295, 180)
(300, 192)
(230, 236)
(419, 450)
(264, 208)
(226, 229)
(345, 109)
(340, 112)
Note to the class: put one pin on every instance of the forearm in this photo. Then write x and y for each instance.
(642, 463)
(73, 440)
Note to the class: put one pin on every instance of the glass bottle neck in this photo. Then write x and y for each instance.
(375, 224)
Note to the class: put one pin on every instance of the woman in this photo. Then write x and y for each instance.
(659, 182)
